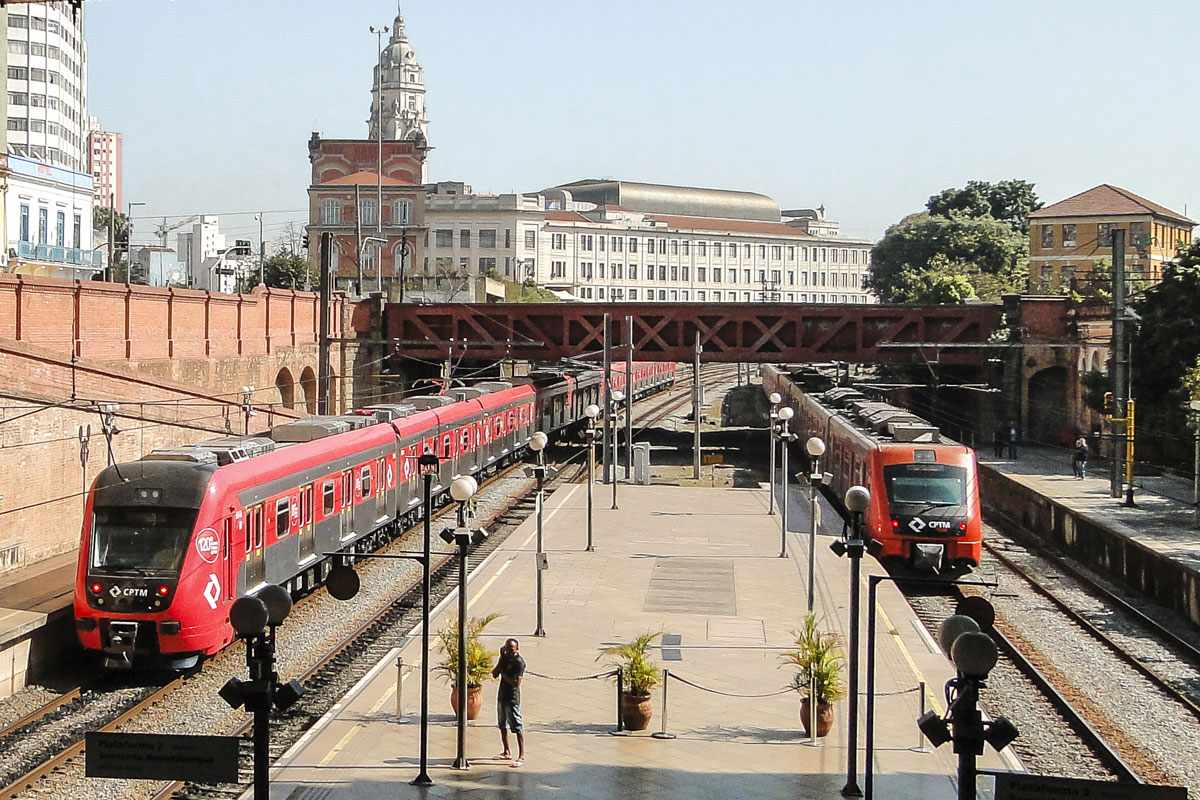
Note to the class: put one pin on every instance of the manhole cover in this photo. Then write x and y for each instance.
(692, 586)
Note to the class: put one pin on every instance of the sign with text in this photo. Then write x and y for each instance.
(1017, 786)
(144, 756)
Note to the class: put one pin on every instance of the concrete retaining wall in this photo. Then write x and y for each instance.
(1104, 545)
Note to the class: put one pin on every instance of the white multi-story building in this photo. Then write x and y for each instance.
(604, 241)
(106, 162)
(47, 118)
(198, 251)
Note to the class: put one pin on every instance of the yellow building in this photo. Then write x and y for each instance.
(1068, 237)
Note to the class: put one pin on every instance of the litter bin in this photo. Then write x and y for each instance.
(641, 463)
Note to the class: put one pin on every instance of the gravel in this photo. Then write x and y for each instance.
(26, 701)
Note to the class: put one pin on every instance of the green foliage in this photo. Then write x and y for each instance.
(931, 258)
(1095, 384)
(527, 292)
(479, 657)
(1009, 202)
(287, 270)
(817, 657)
(639, 672)
(1191, 380)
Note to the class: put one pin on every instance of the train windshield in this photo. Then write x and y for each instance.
(926, 484)
(141, 540)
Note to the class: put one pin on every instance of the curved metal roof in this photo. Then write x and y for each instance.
(660, 198)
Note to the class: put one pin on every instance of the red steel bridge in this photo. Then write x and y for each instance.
(728, 332)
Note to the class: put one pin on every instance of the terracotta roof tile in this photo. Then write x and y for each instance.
(365, 178)
(1107, 199)
(566, 216)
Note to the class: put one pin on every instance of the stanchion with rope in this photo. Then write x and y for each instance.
(663, 733)
(612, 673)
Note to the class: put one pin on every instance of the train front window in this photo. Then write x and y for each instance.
(925, 484)
(141, 540)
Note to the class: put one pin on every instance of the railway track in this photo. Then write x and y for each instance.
(366, 645)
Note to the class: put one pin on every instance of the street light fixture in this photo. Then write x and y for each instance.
(815, 448)
(108, 425)
(247, 407)
(617, 398)
(775, 399)
(785, 438)
(537, 443)
(462, 489)
(592, 412)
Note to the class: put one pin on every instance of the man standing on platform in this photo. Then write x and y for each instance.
(1012, 440)
(510, 669)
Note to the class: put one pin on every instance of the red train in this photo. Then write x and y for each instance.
(924, 488)
(169, 541)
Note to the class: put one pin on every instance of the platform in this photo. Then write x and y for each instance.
(700, 563)
(1153, 547)
(35, 610)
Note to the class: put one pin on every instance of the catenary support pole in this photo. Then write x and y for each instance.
(783, 490)
(606, 447)
(541, 502)
(358, 251)
(696, 393)
(591, 478)
(323, 376)
(813, 482)
(1118, 359)
(629, 397)
(464, 691)
(771, 461)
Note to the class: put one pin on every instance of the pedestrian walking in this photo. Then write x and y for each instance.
(1079, 462)
(1012, 440)
(510, 669)
(998, 441)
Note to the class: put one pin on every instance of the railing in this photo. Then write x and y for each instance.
(60, 255)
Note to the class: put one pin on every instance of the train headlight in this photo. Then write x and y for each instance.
(96, 587)
(163, 590)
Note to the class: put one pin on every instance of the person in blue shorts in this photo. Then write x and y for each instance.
(510, 669)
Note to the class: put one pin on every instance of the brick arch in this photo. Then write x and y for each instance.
(286, 387)
(308, 384)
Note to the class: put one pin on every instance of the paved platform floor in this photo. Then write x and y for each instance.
(701, 563)
(1160, 522)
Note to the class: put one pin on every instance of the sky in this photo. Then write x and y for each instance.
(865, 107)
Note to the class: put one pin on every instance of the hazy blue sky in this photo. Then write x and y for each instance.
(867, 107)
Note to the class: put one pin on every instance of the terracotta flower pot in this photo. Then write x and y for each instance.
(474, 701)
(636, 711)
(824, 717)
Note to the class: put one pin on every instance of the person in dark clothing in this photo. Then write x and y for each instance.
(510, 669)
(1079, 462)
(998, 442)
(1012, 440)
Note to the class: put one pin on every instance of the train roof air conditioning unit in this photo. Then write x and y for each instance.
(307, 430)
(386, 412)
(427, 401)
(191, 455)
(493, 386)
(915, 433)
(467, 393)
(231, 449)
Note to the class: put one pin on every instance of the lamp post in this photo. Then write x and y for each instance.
(617, 398)
(592, 412)
(857, 500)
(775, 399)
(785, 438)
(537, 443)
(247, 408)
(108, 425)
(129, 241)
(462, 489)
(428, 466)
(255, 619)
(816, 448)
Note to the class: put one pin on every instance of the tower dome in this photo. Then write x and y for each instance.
(403, 89)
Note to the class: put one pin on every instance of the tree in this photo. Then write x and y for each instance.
(1009, 202)
(120, 222)
(931, 258)
(288, 270)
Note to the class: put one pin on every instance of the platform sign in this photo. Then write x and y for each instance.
(1017, 786)
(157, 756)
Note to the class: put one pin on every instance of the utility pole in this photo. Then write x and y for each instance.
(697, 399)
(1119, 364)
(629, 398)
(112, 213)
(323, 345)
(607, 446)
(379, 32)
(262, 252)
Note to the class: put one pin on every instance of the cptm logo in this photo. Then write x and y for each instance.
(208, 545)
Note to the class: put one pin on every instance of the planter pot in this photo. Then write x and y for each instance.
(824, 717)
(636, 711)
(474, 701)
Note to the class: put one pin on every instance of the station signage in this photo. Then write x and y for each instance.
(1018, 786)
(157, 756)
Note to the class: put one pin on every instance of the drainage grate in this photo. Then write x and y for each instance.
(670, 647)
(692, 586)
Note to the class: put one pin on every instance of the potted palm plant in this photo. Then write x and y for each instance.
(817, 661)
(640, 675)
(479, 661)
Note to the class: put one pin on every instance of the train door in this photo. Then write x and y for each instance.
(256, 568)
(307, 538)
(228, 562)
(381, 490)
(346, 521)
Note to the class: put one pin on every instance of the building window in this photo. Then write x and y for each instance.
(530, 239)
(702, 248)
(24, 223)
(60, 229)
(367, 211)
(662, 272)
(617, 271)
(791, 254)
(77, 230)
(791, 278)
(443, 238)
(633, 272)
(746, 251)
(701, 274)
(1047, 237)
(370, 257)
(717, 249)
(487, 239)
(487, 265)
(585, 242)
(686, 247)
(762, 251)
(662, 247)
(600, 292)
(746, 275)
(1139, 235)
(618, 243)
(674, 272)
(558, 269)
(331, 212)
(1104, 234)
(701, 295)
(674, 247)
(1047, 273)
(602, 270)
(464, 239)
(507, 238)
(683, 272)
(775, 277)
(633, 294)
(18, 98)
(1068, 235)
(402, 212)
(43, 225)
(558, 241)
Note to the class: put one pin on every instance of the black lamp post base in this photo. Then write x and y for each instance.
(540, 632)
(421, 780)
(851, 790)
(461, 763)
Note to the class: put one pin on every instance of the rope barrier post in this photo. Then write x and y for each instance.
(920, 738)
(399, 686)
(664, 734)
